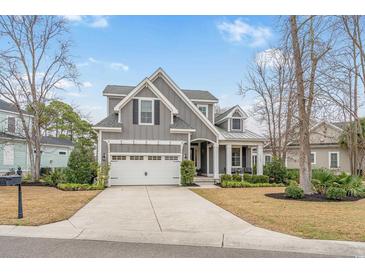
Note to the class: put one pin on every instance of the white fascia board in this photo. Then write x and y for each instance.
(327, 123)
(17, 113)
(146, 83)
(204, 101)
(109, 129)
(182, 95)
(144, 142)
(114, 95)
(182, 130)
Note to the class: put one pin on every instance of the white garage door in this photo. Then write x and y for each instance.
(144, 170)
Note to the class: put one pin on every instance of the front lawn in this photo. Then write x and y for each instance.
(327, 220)
(41, 205)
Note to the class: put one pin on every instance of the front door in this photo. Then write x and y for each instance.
(194, 155)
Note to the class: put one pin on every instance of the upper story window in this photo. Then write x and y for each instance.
(11, 124)
(146, 112)
(203, 109)
(236, 124)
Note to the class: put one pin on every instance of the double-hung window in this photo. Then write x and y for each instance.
(146, 112)
(236, 124)
(203, 109)
(313, 158)
(236, 157)
(334, 160)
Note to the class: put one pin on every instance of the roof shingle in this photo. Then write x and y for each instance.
(109, 121)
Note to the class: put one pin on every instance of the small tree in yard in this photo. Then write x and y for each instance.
(81, 167)
(187, 171)
(276, 171)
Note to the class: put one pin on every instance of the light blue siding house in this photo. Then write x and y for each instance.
(13, 146)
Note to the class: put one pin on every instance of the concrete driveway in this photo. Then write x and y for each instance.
(174, 216)
(155, 209)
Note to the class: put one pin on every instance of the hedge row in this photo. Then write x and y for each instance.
(79, 187)
(234, 184)
(253, 179)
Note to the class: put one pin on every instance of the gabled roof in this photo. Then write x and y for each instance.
(192, 94)
(161, 73)
(327, 123)
(49, 140)
(10, 107)
(246, 135)
(228, 114)
(110, 121)
(146, 83)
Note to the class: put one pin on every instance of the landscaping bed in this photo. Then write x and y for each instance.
(315, 197)
(42, 205)
(322, 219)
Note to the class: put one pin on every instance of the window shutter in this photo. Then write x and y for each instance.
(135, 111)
(157, 112)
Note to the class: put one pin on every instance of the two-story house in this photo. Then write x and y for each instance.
(152, 127)
(13, 146)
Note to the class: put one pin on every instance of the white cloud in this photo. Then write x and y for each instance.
(92, 60)
(89, 21)
(74, 94)
(99, 22)
(64, 84)
(73, 18)
(270, 57)
(240, 31)
(119, 66)
(87, 84)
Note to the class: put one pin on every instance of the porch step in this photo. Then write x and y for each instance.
(204, 180)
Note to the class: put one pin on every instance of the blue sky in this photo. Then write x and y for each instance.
(198, 52)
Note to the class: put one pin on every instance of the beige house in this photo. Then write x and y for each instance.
(325, 149)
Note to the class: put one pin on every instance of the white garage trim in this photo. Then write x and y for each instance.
(144, 154)
(145, 142)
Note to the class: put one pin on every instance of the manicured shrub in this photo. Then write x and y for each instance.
(79, 187)
(247, 177)
(335, 193)
(318, 186)
(292, 174)
(226, 177)
(187, 172)
(81, 166)
(294, 192)
(55, 177)
(260, 179)
(236, 177)
(276, 171)
(235, 184)
(292, 182)
(102, 175)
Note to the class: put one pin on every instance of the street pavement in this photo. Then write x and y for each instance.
(21, 247)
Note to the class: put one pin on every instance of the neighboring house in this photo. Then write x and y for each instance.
(152, 127)
(13, 146)
(326, 151)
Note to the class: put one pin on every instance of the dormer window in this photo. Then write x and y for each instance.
(236, 124)
(146, 112)
(203, 109)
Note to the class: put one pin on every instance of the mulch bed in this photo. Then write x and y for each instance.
(311, 198)
(34, 184)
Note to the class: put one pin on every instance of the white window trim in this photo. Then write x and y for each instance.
(329, 159)
(267, 155)
(240, 148)
(234, 129)
(315, 158)
(152, 100)
(206, 109)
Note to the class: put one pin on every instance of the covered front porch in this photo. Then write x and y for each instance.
(212, 159)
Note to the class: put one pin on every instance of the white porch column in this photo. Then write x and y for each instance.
(216, 161)
(229, 159)
(260, 159)
(189, 137)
